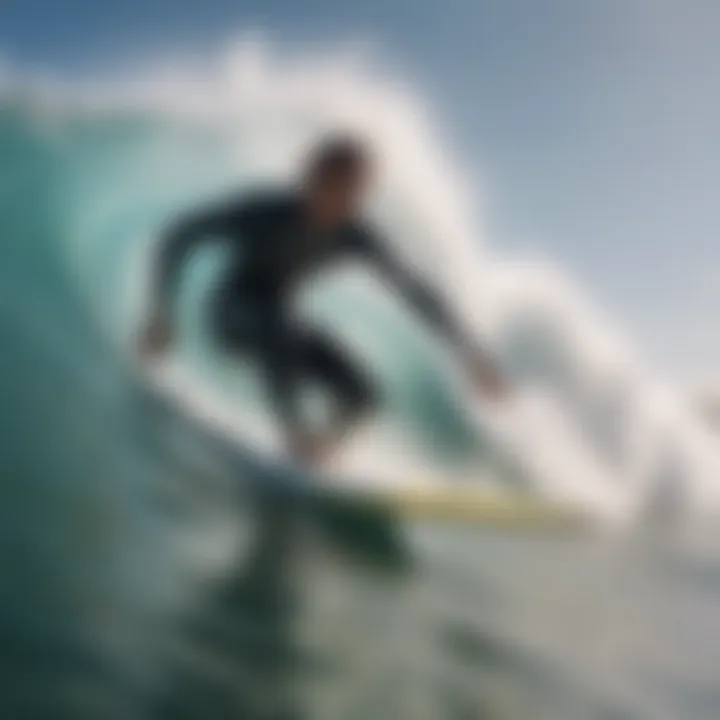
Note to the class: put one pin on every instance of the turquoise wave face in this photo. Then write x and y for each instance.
(112, 540)
(93, 190)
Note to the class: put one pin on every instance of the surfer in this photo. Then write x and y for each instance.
(277, 239)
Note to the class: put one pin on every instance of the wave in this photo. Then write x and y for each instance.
(96, 165)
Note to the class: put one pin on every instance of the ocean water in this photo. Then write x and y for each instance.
(148, 575)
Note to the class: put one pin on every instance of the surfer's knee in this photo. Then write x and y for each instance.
(361, 395)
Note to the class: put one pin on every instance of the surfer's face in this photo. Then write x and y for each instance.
(337, 198)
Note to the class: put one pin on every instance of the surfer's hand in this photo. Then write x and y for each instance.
(156, 337)
(488, 378)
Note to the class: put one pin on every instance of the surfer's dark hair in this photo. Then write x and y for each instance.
(338, 157)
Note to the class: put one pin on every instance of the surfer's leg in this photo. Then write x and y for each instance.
(282, 372)
(291, 355)
(294, 356)
(252, 329)
(354, 394)
(282, 352)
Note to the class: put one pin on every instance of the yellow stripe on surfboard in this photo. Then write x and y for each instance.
(480, 507)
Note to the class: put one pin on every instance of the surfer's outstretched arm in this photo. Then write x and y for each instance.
(423, 300)
(426, 302)
(180, 238)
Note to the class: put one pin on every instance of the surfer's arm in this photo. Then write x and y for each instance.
(426, 303)
(417, 293)
(179, 239)
(231, 220)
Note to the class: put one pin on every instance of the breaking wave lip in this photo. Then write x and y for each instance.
(590, 423)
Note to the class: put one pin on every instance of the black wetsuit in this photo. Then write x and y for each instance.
(252, 311)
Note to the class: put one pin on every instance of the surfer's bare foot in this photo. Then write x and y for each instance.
(488, 379)
(313, 450)
(322, 450)
(156, 336)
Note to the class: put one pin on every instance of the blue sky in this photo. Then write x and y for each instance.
(593, 123)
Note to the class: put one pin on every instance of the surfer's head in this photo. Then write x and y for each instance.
(336, 177)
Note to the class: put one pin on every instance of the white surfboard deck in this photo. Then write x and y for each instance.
(417, 495)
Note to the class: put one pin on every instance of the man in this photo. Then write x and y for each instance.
(277, 241)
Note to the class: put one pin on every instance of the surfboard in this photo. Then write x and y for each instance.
(419, 499)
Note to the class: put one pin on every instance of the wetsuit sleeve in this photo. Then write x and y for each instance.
(416, 292)
(184, 235)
